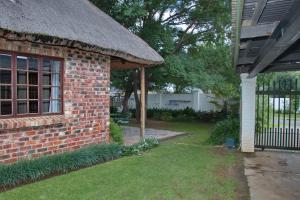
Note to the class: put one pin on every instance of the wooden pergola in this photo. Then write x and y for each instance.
(265, 38)
(266, 35)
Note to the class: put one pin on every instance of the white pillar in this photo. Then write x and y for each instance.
(247, 115)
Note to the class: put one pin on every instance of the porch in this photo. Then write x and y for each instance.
(132, 134)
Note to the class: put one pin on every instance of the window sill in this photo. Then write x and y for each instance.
(14, 123)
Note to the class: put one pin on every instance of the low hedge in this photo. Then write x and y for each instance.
(26, 171)
(186, 114)
(35, 169)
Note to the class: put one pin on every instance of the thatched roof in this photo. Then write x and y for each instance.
(76, 20)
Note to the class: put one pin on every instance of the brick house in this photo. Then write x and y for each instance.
(55, 62)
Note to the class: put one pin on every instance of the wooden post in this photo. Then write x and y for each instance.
(142, 127)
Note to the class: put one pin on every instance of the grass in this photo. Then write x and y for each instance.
(181, 168)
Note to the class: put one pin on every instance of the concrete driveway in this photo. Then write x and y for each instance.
(273, 175)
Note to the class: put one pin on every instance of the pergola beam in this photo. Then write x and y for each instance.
(246, 61)
(264, 30)
(279, 67)
(286, 34)
(259, 8)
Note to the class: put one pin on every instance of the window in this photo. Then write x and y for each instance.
(30, 85)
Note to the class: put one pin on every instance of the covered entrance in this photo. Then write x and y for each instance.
(266, 39)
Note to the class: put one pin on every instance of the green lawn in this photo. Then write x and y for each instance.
(181, 168)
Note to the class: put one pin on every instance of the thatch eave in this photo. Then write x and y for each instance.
(75, 24)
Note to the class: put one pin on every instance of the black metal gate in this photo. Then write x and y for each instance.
(278, 115)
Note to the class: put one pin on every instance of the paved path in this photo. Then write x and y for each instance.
(132, 134)
(273, 175)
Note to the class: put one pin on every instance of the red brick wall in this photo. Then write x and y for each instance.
(86, 107)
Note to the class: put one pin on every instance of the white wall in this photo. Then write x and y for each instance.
(196, 100)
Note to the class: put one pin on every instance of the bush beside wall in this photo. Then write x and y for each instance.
(140, 147)
(187, 114)
(116, 132)
(228, 128)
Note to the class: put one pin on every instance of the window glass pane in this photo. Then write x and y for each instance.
(22, 62)
(5, 92)
(33, 107)
(33, 64)
(5, 61)
(46, 107)
(22, 92)
(56, 66)
(52, 106)
(6, 108)
(5, 76)
(33, 92)
(46, 65)
(46, 93)
(55, 93)
(33, 78)
(21, 77)
(22, 107)
(46, 79)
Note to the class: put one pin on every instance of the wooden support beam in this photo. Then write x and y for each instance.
(143, 105)
(264, 30)
(246, 61)
(285, 35)
(121, 64)
(239, 6)
(279, 67)
(259, 8)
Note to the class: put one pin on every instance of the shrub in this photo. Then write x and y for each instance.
(187, 114)
(166, 116)
(140, 147)
(227, 128)
(31, 170)
(113, 109)
(116, 132)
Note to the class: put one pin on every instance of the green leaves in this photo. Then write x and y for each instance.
(116, 132)
(227, 128)
(139, 148)
(191, 35)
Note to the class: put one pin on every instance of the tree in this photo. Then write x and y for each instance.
(177, 29)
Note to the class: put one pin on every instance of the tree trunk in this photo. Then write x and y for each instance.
(136, 96)
(128, 92)
(146, 93)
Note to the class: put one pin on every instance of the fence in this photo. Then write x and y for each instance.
(277, 115)
(196, 100)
